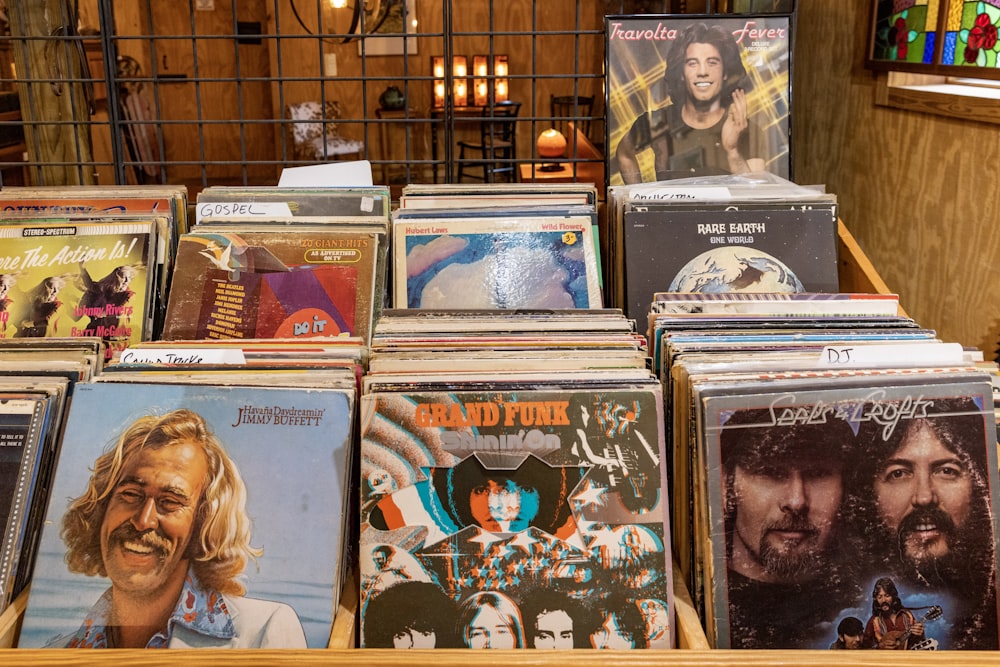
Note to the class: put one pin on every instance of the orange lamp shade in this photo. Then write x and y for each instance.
(551, 144)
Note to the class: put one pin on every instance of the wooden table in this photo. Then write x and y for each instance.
(393, 164)
(568, 172)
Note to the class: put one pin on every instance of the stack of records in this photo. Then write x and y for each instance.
(510, 498)
(220, 201)
(80, 262)
(472, 195)
(168, 203)
(748, 233)
(826, 457)
(331, 362)
(37, 377)
(212, 494)
(253, 269)
(500, 247)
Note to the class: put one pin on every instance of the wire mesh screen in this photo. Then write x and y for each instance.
(209, 92)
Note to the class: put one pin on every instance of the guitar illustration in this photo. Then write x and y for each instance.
(901, 636)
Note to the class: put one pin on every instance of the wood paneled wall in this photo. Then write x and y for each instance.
(918, 191)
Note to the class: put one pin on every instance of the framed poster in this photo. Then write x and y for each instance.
(697, 95)
(386, 26)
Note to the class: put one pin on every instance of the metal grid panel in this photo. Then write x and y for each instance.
(198, 95)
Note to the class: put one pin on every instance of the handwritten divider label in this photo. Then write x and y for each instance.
(180, 355)
(890, 355)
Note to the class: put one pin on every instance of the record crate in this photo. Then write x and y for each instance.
(857, 274)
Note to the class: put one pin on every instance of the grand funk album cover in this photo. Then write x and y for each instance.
(509, 505)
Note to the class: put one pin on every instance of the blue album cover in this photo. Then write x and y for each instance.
(497, 263)
(194, 516)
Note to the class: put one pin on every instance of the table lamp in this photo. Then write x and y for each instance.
(551, 144)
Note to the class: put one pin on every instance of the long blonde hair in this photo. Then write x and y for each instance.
(221, 547)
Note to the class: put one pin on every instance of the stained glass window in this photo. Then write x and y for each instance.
(970, 37)
(905, 31)
(936, 36)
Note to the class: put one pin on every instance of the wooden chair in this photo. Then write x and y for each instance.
(313, 134)
(576, 108)
(496, 150)
(141, 129)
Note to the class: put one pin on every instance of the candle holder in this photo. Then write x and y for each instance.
(437, 71)
(500, 72)
(460, 82)
(480, 85)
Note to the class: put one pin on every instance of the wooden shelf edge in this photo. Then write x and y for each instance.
(690, 634)
(10, 620)
(461, 657)
(857, 273)
(344, 623)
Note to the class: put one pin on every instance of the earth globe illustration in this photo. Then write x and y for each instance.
(736, 269)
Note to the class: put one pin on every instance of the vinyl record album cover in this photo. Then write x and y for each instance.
(23, 425)
(524, 507)
(270, 283)
(495, 263)
(712, 250)
(194, 516)
(692, 95)
(80, 279)
(873, 502)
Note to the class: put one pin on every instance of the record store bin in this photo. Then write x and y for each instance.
(856, 275)
(123, 82)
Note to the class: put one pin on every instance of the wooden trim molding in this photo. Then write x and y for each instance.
(936, 95)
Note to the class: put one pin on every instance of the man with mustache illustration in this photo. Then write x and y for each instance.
(164, 519)
(787, 570)
(923, 489)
